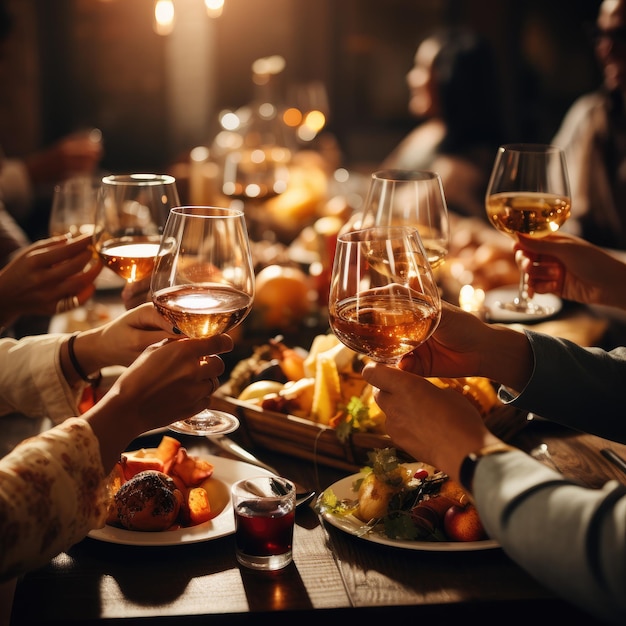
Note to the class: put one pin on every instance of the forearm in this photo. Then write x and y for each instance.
(553, 528)
(89, 356)
(115, 425)
(506, 357)
(579, 387)
(72, 490)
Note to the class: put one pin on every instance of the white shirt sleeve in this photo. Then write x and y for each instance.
(32, 381)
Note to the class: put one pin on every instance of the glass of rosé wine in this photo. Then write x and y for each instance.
(131, 210)
(384, 301)
(408, 198)
(203, 283)
(528, 193)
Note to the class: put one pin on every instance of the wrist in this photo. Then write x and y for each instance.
(509, 359)
(469, 463)
(83, 356)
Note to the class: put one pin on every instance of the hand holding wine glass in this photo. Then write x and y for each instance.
(529, 194)
(203, 283)
(131, 211)
(72, 214)
(384, 300)
(409, 198)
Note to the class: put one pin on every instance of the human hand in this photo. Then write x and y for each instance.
(455, 348)
(122, 340)
(437, 426)
(47, 277)
(136, 293)
(463, 345)
(572, 268)
(77, 154)
(169, 381)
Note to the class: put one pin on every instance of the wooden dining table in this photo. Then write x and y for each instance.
(335, 575)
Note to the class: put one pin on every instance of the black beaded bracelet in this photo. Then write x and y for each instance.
(94, 381)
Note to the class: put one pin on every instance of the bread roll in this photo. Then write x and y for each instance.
(150, 501)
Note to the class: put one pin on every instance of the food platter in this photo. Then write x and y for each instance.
(354, 526)
(226, 472)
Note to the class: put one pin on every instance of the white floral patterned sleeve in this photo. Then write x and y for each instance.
(52, 493)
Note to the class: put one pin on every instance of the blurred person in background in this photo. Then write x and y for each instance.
(593, 135)
(27, 181)
(455, 94)
(29, 299)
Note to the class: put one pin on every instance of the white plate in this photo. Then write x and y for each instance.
(354, 526)
(507, 294)
(226, 472)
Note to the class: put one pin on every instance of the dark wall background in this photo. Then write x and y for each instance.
(77, 63)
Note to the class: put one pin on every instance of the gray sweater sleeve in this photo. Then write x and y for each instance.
(570, 538)
(582, 388)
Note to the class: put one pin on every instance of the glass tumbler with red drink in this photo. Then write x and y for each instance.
(264, 509)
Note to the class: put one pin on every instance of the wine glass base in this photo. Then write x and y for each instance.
(500, 306)
(207, 423)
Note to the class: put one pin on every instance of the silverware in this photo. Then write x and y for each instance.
(226, 443)
(542, 453)
(615, 458)
(303, 494)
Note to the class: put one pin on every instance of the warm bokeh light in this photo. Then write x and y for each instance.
(315, 120)
(164, 17)
(214, 8)
(230, 120)
(292, 117)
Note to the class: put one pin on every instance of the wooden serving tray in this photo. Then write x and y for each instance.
(305, 439)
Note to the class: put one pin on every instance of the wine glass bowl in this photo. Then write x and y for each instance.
(203, 283)
(409, 198)
(73, 207)
(131, 211)
(384, 301)
(528, 194)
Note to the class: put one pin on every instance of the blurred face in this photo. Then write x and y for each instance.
(611, 43)
(423, 93)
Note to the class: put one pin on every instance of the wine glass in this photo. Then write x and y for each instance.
(412, 198)
(72, 214)
(131, 211)
(528, 193)
(73, 207)
(384, 300)
(203, 283)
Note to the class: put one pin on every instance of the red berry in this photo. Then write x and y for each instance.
(420, 474)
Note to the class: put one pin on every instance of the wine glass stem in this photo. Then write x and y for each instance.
(522, 295)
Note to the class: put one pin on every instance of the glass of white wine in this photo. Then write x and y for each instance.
(131, 211)
(384, 301)
(203, 283)
(409, 198)
(528, 193)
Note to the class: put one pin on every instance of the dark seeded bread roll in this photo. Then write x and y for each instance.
(150, 501)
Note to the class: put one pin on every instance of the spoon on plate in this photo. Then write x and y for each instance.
(303, 494)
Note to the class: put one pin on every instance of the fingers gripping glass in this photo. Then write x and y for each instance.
(203, 284)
